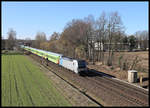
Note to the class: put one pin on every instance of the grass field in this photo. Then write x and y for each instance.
(23, 84)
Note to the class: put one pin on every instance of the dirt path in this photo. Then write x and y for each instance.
(71, 94)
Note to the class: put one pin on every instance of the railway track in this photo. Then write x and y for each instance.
(140, 91)
(131, 96)
(101, 89)
(70, 84)
(126, 88)
(131, 92)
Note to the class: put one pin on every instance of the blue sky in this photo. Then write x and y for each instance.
(28, 18)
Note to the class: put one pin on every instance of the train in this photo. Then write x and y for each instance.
(75, 65)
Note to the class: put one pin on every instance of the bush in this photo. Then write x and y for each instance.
(119, 61)
(11, 52)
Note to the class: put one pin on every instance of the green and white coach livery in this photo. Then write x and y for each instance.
(53, 57)
(78, 66)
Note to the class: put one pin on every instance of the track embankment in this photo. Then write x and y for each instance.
(99, 88)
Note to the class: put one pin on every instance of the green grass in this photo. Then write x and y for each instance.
(23, 84)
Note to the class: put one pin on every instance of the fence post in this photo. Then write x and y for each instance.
(141, 80)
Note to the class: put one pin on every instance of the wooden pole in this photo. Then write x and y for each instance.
(141, 80)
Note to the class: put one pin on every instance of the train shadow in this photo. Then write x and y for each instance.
(95, 73)
(146, 86)
(144, 79)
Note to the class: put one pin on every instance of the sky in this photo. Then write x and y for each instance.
(28, 18)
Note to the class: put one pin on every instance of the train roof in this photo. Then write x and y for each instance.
(71, 59)
(54, 53)
(68, 58)
(47, 51)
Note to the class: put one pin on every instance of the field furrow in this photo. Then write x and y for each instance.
(24, 84)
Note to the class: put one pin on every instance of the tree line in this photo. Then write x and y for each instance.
(80, 36)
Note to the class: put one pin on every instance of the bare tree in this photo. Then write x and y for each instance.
(28, 41)
(102, 24)
(142, 37)
(40, 37)
(11, 41)
(139, 39)
(54, 36)
(89, 37)
(114, 27)
(74, 35)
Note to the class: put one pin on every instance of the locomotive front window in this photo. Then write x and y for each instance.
(81, 64)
